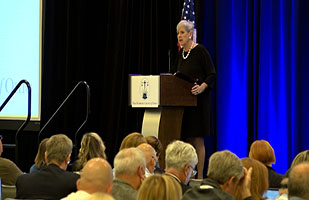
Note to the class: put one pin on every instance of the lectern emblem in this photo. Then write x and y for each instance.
(144, 88)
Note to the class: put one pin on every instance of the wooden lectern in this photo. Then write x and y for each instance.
(163, 98)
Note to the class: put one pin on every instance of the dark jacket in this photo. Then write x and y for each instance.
(274, 178)
(51, 182)
(184, 187)
(209, 189)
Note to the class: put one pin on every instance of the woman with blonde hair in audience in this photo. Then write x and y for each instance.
(39, 161)
(92, 146)
(132, 140)
(159, 186)
(259, 179)
(262, 151)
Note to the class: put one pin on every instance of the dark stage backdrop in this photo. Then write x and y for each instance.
(101, 42)
(258, 47)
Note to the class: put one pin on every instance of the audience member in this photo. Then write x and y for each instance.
(129, 168)
(180, 161)
(52, 182)
(299, 158)
(132, 140)
(262, 151)
(96, 176)
(100, 196)
(8, 170)
(298, 185)
(157, 145)
(259, 179)
(161, 187)
(91, 146)
(150, 158)
(39, 161)
(225, 173)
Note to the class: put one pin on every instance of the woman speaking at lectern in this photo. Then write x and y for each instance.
(193, 60)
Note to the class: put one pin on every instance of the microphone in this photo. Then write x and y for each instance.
(169, 60)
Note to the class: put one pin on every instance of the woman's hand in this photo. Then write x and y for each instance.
(197, 89)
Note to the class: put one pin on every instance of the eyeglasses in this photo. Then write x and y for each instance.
(194, 172)
(1, 137)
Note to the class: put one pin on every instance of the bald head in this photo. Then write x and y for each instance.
(96, 176)
(299, 181)
(150, 155)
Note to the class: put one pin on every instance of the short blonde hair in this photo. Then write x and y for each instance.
(262, 151)
(259, 178)
(132, 140)
(92, 146)
(159, 186)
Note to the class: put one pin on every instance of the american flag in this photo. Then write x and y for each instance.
(189, 14)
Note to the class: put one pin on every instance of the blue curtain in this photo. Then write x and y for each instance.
(260, 49)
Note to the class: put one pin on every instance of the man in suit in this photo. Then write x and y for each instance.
(180, 161)
(52, 182)
(96, 176)
(225, 173)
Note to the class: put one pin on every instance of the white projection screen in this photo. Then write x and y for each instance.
(20, 57)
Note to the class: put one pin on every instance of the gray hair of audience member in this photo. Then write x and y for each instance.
(223, 165)
(58, 147)
(178, 154)
(127, 161)
(299, 181)
(189, 26)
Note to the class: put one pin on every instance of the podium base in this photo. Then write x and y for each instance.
(165, 124)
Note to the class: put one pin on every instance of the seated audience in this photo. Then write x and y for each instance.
(157, 145)
(129, 168)
(39, 161)
(96, 176)
(132, 140)
(150, 158)
(298, 185)
(91, 146)
(159, 186)
(180, 161)
(100, 196)
(262, 151)
(259, 179)
(8, 170)
(299, 158)
(52, 182)
(225, 173)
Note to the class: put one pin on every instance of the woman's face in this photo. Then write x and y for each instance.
(183, 36)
